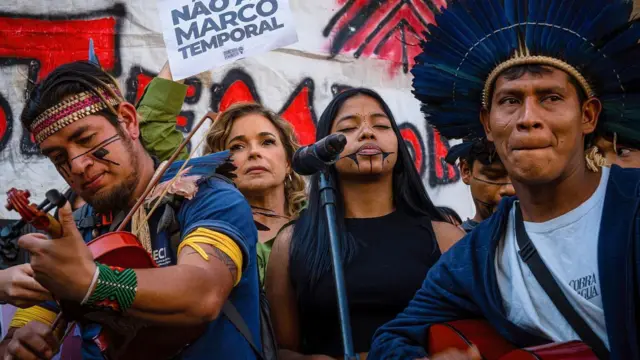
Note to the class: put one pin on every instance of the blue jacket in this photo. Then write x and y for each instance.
(463, 284)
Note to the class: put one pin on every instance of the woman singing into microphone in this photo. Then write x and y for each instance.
(391, 235)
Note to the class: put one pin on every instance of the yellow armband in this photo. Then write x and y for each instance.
(219, 241)
(35, 313)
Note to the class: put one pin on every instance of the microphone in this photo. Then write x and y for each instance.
(310, 159)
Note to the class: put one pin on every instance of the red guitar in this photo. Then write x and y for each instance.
(122, 338)
(463, 334)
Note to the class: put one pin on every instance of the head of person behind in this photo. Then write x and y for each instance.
(481, 169)
(99, 155)
(618, 150)
(262, 146)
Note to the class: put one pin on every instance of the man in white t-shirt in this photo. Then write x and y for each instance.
(548, 81)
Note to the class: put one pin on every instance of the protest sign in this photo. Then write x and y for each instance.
(201, 35)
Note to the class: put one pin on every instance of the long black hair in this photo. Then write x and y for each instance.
(310, 250)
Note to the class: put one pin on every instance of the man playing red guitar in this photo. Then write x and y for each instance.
(203, 238)
(540, 76)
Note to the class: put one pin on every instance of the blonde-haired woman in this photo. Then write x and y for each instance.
(262, 146)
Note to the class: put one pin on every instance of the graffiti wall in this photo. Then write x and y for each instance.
(343, 43)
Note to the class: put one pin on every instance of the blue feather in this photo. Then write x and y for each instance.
(459, 151)
(475, 36)
(93, 58)
(200, 166)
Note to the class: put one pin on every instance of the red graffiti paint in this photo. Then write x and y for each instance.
(182, 121)
(440, 152)
(298, 111)
(145, 79)
(4, 123)
(237, 92)
(440, 171)
(238, 86)
(56, 42)
(409, 135)
(389, 30)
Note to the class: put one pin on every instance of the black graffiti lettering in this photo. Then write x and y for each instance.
(6, 122)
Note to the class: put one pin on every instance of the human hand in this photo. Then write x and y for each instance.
(454, 354)
(33, 341)
(18, 287)
(64, 266)
(165, 73)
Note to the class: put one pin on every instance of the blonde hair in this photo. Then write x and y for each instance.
(294, 185)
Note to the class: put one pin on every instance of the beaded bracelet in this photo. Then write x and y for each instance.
(116, 288)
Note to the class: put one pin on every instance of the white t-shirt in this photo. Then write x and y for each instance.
(568, 245)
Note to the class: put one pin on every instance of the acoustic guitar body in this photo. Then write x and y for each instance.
(463, 334)
(126, 338)
(572, 350)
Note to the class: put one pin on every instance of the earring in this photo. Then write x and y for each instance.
(290, 178)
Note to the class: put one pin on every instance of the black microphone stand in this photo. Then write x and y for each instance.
(328, 202)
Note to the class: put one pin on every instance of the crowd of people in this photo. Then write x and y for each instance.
(241, 268)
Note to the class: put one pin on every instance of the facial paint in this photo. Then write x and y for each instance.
(99, 152)
(104, 143)
(354, 158)
(491, 182)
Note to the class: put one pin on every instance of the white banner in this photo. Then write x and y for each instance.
(203, 35)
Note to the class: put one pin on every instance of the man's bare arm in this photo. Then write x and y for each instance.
(191, 292)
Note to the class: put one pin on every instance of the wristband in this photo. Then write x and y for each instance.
(116, 288)
(91, 286)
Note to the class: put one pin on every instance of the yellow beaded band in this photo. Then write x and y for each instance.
(72, 109)
(531, 60)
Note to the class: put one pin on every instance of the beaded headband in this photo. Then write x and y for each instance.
(73, 109)
(534, 60)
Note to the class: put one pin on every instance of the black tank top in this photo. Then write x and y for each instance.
(394, 254)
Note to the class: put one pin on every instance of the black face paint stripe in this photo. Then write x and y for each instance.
(104, 143)
(354, 158)
(491, 182)
(484, 203)
(101, 154)
(488, 206)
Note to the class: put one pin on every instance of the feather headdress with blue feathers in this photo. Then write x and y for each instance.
(475, 40)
